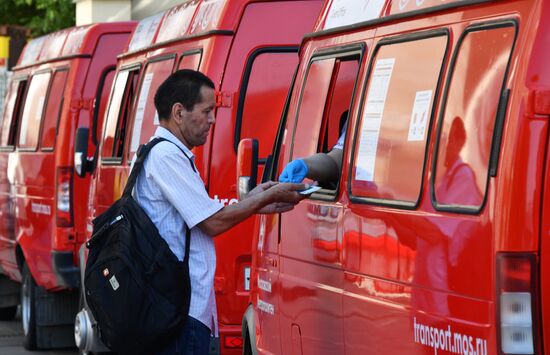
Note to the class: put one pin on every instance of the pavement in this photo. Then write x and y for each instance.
(11, 341)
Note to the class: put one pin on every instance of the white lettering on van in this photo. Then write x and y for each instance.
(266, 307)
(448, 340)
(225, 201)
(39, 208)
(264, 285)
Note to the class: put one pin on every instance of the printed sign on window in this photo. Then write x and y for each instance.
(347, 12)
(372, 119)
(419, 116)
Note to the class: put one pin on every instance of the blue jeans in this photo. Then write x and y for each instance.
(194, 339)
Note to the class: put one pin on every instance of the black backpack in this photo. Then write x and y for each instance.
(137, 289)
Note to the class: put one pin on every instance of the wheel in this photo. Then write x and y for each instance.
(28, 313)
(8, 313)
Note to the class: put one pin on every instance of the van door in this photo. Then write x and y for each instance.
(258, 74)
(311, 277)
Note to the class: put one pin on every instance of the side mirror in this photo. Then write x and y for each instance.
(247, 166)
(81, 163)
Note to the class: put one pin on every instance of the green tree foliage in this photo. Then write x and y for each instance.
(40, 16)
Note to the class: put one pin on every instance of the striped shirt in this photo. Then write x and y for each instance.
(173, 195)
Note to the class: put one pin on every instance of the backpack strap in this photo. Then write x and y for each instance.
(142, 153)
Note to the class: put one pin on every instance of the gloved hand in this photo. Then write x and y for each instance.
(295, 171)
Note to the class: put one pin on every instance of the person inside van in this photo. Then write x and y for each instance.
(322, 167)
(172, 193)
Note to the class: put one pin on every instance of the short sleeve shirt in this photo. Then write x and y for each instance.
(173, 195)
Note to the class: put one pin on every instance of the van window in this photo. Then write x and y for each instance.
(53, 109)
(468, 120)
(390, 147)
(324, 105)
(12, 112)
(122, 97)
(268, 74)
(190, 61)
(146, 119)
(101, 100)
(33, 110)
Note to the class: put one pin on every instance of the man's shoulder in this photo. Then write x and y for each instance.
(166, 148)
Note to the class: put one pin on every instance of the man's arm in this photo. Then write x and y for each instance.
(274, 195)
(325, 167)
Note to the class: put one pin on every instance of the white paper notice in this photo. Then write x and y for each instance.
(347, 12)
(372, 119)
(156, 121)
(419, 116)
(140, 110)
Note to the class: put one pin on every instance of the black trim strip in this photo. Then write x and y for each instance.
(472, 210)
(244, 84)
(185, 38)
(497, 133)
(404, 15)
(417, 36)
(51, 60)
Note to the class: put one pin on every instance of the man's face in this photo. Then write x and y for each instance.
(196, 123)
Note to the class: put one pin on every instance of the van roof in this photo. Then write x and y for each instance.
(344, 15)
(70, 42)
(193, 18)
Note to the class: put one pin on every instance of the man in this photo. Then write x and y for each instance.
(172, 193)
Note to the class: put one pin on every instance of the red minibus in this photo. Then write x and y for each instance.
(249, 49)
(62, 81)
(433, 239)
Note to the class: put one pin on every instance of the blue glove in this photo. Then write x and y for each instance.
(295, 171)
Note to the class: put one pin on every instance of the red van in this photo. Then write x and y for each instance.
(249, 49)
(62, 81)
(433, 239)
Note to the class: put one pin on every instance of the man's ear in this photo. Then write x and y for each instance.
(177, 112)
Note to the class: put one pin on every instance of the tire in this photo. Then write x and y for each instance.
(8, 313)
(28, 310)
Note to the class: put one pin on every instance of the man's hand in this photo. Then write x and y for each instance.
(282, 196)
(295, 171)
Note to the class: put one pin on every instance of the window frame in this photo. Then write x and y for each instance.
(130, 129)
(46, 99)
(19, 100)
(499, 118)
(189, 53)
(411, 37)
(118, 160)
(61, 102)
(244, 87)
(346, 51)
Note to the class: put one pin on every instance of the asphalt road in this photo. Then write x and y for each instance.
(11, 341)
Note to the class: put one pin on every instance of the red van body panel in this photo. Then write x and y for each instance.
(222, 39)
(356, 270)
(29, 174)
